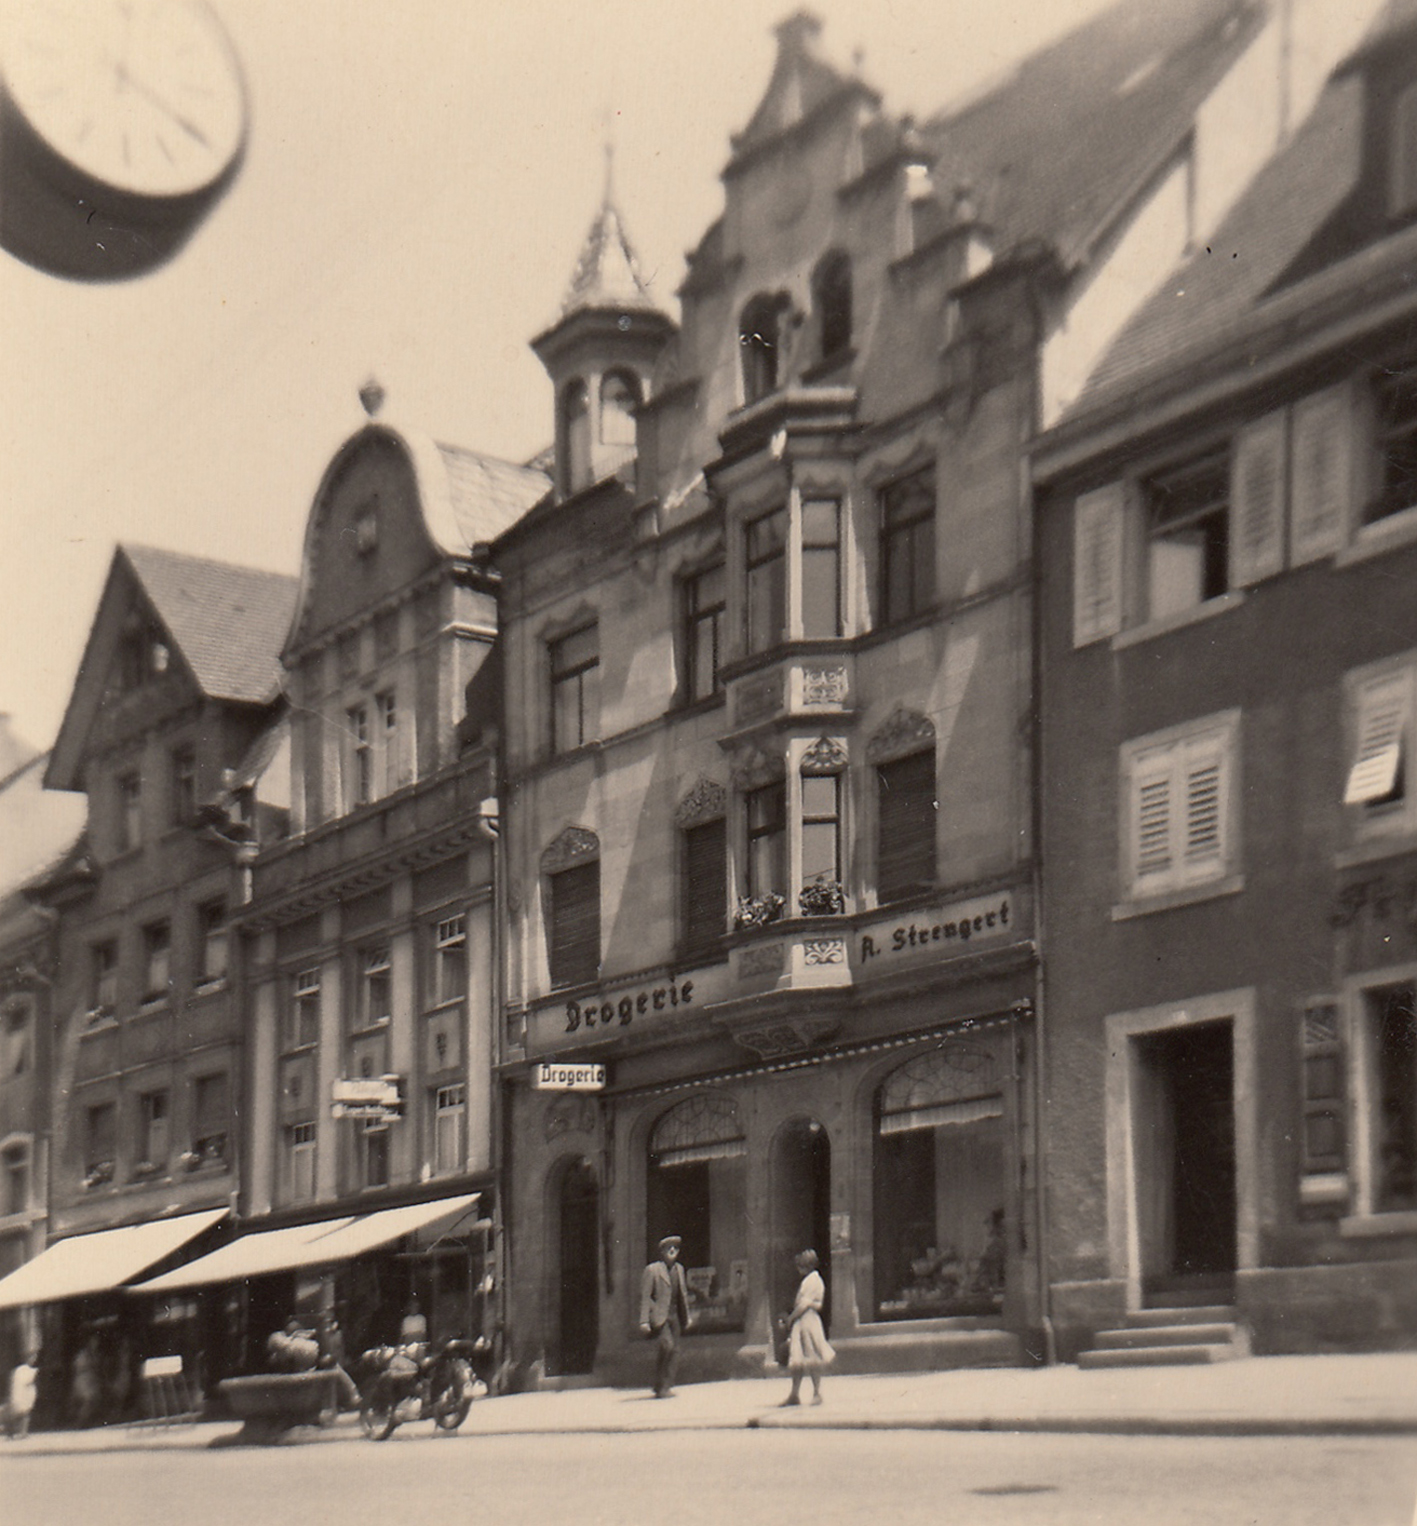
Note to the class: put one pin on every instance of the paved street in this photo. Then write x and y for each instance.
(743, 1476)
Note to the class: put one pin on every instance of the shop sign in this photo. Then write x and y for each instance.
(602, 1015)
(568, 1078)
(372, 1097)
(946, 929)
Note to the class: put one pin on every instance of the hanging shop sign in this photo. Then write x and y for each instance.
(550, 1077)
(371, 1097)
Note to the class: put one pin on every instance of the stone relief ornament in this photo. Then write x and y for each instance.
(707, 801)
(752, 768)
(574, 846)
(766, 959)
(824, 951)
(903, 732)
(827, 755)
(824, 686)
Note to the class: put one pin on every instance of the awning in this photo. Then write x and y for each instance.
(101, 1260)
(298, 1245)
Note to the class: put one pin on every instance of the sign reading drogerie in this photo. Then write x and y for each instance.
(370, 1097)
(550, 1077)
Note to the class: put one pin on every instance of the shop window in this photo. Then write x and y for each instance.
(130, 812)
(906, 827)
(575, 689)
(154, 1120)
(766, 570)
(1379, 726)
(449, 1115)
(1388, 1094)
(212, 943)
(697, 1188)
(17, 1037)
(1402, 178)
(299, 1165)
(908, 546)
(376, 988)
(574, 924)
(371, 1151)
(573, 425)
(704, 596)
(821, 568)
(762, 334)
(702, 884)
(183, 770)
(765, 811)
(940, 1179)
(103, 980)
(831, 297)
(100, 1135)
(449, 960)
(302, 1012)
(211, 1118)
(619, 401)
(157, 961)
(1179, 801)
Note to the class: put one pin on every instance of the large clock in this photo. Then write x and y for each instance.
(121, 122)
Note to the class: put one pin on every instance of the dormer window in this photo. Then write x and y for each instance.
(761, 337)
(619, 399)
(831, 296)
(1402, 174)
(574, 425)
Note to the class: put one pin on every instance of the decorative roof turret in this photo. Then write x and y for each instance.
(607, 273)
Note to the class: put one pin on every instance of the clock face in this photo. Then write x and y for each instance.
(142, 95)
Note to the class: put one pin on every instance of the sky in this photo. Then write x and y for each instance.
(418, 180)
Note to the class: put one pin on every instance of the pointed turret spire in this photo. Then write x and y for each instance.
(607, 273)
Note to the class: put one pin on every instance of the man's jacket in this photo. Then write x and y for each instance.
(660, 1289)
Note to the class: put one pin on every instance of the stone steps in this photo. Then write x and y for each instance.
(1186, 1336)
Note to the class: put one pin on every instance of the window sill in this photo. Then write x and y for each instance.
(1193, 616)
(1380, 537)
(151, 1005)
(448, 1004)
(1367, 1226)
(210, 987)
(1374, 849)
(99, 1022)
(1188, 895)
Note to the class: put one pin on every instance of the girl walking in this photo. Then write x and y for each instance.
(808, 1350)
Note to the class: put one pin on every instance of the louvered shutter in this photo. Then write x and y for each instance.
(1097, 564)
(575, 925)
(1384, 721)
(705, 873)
(1153, 850)
(1323, 1146)
(1321, 473)
(906, 822)
(1257, 502)
(1206, 782)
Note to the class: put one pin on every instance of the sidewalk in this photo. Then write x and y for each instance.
(1256, 1396)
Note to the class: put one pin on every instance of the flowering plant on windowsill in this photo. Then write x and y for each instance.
(98, 1174)
(758, 910)
(822, 898)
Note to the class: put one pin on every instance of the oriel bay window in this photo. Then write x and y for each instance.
(696, 1187)
(821, 567)
(766, 572)
(821, 848)
(766, 818)
(939, 1184)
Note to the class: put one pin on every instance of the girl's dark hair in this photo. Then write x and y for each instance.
(808, 1258)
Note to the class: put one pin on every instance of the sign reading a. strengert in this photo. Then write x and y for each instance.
(551, 1077)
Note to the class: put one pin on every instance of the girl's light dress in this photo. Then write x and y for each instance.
(808, 1347)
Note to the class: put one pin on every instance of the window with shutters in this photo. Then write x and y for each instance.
(906, 813)
(1377, 791)
(1257, 496)
(1179, 831)
(574, 924)
(1187, 535)
(1320, 473)
(703, 884)
(1097, 564)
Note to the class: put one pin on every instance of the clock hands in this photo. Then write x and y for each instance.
(125, 77)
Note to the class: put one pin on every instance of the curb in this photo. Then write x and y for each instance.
(1128, 1425)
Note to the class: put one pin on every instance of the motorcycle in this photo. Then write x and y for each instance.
(408, 1383)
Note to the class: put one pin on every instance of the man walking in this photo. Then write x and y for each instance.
(664, 1311)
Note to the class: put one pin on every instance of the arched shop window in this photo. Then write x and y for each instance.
(697, 1187)
(939, 1184)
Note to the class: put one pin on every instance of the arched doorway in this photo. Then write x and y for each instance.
(578, 1282)
(801, 1198)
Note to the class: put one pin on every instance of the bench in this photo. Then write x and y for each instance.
(270, 1404)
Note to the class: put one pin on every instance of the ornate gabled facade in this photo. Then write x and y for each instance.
(769, 778)
(1227, 531)
(179, 682)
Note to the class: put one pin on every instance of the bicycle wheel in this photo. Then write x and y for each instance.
(452, 1397)
(379, 1413)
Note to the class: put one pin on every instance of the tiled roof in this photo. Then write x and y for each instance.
(1240, 272)
(228, 622)
(607, 274)
(37, 826)
(487, 495)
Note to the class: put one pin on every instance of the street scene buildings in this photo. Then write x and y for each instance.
(918, 768)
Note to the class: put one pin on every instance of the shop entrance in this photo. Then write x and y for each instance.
(1183, 1124)
(801, 1188)
(579, 1281)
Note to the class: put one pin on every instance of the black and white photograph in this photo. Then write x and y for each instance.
(708, 762)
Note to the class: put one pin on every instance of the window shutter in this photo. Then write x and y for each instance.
(1205, 782)
(906, 814)
(1257, 502)
(575, 924)
(704, 906)
(1321, 473)
(1151, 785)
(1384, 720)
(1323, 1147)
(1097, 564)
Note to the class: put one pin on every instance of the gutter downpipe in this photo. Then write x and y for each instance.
(489, 826)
